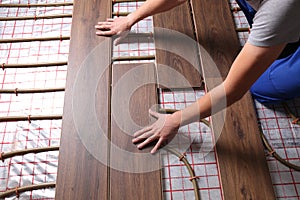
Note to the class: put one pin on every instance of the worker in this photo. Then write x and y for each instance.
(268, 64)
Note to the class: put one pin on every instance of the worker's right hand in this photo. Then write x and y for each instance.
(163, 131)
(118, 26)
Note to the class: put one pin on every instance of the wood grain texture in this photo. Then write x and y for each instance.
(176, 49)
(135, 174)
(240, 153)
(80, 174)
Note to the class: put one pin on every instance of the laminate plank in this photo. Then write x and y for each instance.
(134, 174)
(176, 49)
(80, 173)
(240, 153)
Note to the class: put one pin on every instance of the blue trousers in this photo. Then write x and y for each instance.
(281, 81)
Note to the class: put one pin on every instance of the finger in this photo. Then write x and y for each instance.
(103, 23)
(103, 27)
(109, 19)
(142, 137)
(158, 144)
(104, 33)
(117, 41)
(154, 114)
(142, 131)
(121, 37)
(100, 24)
(146, 142)
(137, 140)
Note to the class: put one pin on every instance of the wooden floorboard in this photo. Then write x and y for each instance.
(240, 153)
(176, 55)
(134, 174)
(80, 174)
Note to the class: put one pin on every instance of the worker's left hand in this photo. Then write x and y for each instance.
(162, 131)
(118, 26)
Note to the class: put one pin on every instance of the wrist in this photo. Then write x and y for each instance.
(131, 20)
(176, 118)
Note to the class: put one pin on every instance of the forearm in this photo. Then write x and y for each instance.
(152, 7)
(212, 102)
(245, 70)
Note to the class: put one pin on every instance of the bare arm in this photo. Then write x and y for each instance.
(152, 7)
(245, 70)
(119, 25)
(248, 66)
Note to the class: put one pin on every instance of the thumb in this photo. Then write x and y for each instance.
(154, 114)
(118, 41)
(120, 37)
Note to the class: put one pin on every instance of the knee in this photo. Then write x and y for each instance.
(265, 95)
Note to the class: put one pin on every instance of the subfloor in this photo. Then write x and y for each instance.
(29, 169)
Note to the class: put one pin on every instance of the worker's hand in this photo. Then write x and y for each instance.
(118, 26)
(162, 131)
